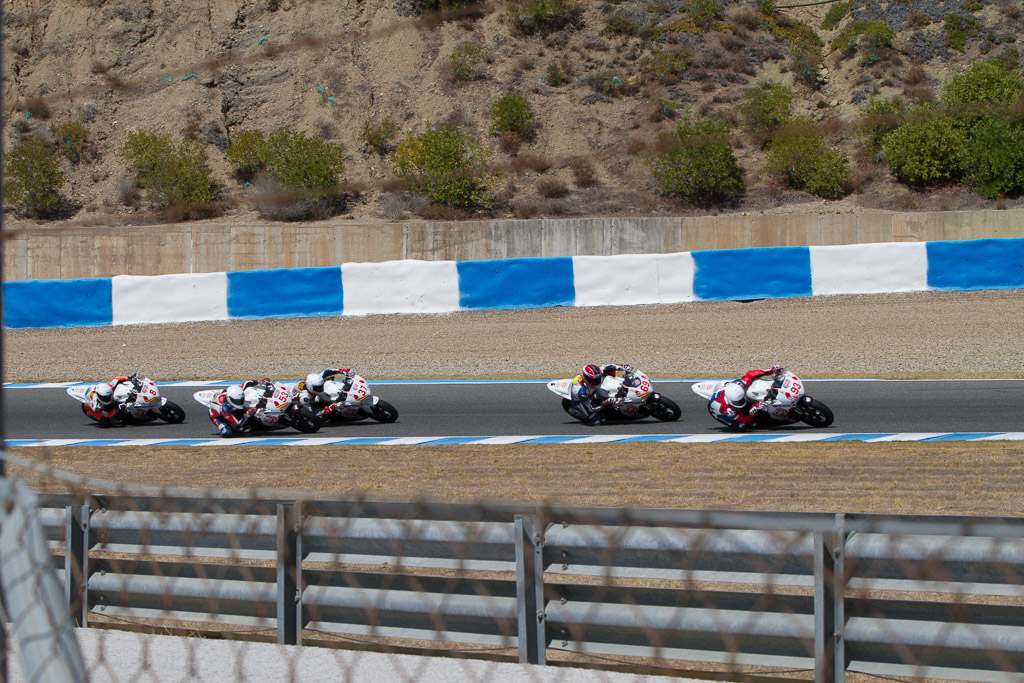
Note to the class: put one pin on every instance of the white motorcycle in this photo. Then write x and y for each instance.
(633, 398)
(786, 402)
(141, 400)
(280, 410)
(353, 401)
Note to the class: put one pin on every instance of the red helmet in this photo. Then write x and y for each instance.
(592, 373)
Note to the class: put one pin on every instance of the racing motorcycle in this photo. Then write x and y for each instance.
(280, 410)
(786, 401)
(633, 398)
(141, 398)
(352, 401)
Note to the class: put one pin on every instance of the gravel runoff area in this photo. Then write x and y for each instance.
(927, 334)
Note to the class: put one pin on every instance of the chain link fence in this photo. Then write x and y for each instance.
(110, 582)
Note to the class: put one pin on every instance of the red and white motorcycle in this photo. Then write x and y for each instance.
(786, 401)
(633, 398)
(146, 405)
(352, 401)
(280, 410)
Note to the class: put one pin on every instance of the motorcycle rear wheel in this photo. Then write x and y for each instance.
(384, 412)
(305, 420)
(665, 409)
(172, 413)
(816, 414)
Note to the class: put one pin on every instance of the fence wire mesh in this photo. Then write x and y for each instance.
(109, 582)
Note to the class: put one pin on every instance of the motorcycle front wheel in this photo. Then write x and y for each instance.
(665, 409)
(172, 413)
(384, 412)
(305, 420)
(814, 413)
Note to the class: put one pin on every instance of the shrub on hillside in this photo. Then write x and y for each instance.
(72, 140)
(466, 62)
(835, 14)
(928, 149)
(798, 155)
(667, 65)
(880, 117)
(994, 159)
(542, 16)
(765, 108)
(959, 29)
(32, 178)
(511, 113)
(246, 151)
(871, 34)
(172, 174)
(445, 165)
(991, 81)
(301, 162)
(696, 162)
(379, 135)
(704, 12)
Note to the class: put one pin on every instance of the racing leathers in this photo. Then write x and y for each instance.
(740, 415)
(318, 400)
(234, 418)
(589, 400)
(113, 412)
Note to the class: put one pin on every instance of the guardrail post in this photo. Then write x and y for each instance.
(289, 574)
(76, 562)
(529, 535)
(829, 603)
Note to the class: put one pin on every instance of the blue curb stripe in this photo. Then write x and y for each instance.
(362, 441)
(647, 438)
(285, 293)
(856, 437)
(58, 303)
(976, 264)
(755, 437)
(961, 436)
(452, 440)
(552, 439)
(183, 442)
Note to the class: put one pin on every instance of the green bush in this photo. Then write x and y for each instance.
(697, 162)
(799, 156)
(667, 65)
(959, 29)
(32, 179)
(927, 150)
(869, 33)
(994, 160)
(881, 117)
(765, 108)
(704, 12)
(247, 153)
(300, 162)
(993, 80)
(466, 62)
(542, 16)
(380, 135)
(445, 165)
(172, 175)
(511, 113)
(72, 140)
(555, 76)
(835, 14)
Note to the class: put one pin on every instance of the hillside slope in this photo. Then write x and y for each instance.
(214, 67)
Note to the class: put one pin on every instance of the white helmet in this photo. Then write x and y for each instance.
(235, 397)
(735, 394)
(314, 382)
(104, 394)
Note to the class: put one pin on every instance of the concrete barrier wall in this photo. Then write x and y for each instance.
(411, 286)
(53, 252)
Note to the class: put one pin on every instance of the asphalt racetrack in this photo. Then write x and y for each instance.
(506, 408)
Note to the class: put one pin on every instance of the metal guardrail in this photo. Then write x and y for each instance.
(937, 597)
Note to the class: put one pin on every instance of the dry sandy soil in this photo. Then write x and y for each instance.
(974, 334)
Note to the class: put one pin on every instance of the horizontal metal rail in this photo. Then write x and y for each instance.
(571, 578)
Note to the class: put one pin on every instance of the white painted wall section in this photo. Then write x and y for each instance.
(177, 298)
(407, 286)
(633, 279)
(869, 268)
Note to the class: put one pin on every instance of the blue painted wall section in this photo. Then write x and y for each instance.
(516, 283)
(741, 274)
(976, 264)
(285, 293)
(58, 303)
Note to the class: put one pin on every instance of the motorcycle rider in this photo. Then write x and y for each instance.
(104, 408)
(311, 390)
(234, 411)
(731, 407)
(587, 396)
